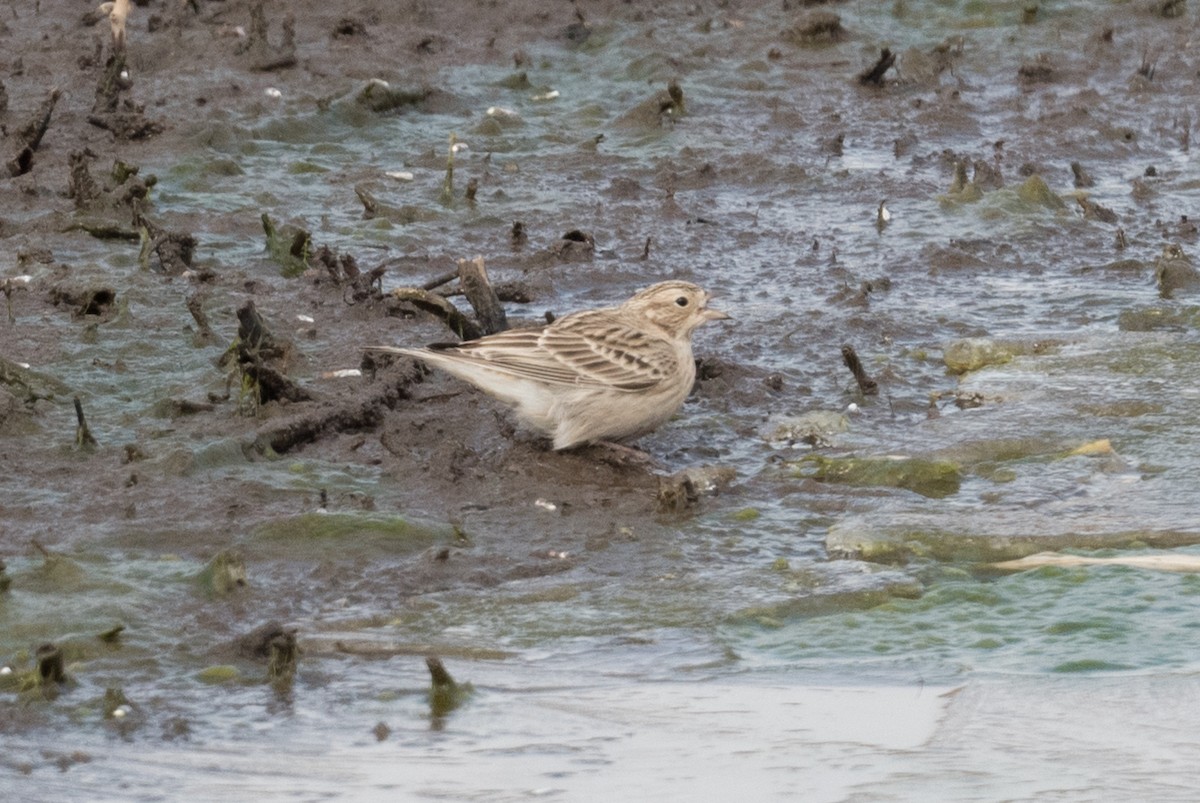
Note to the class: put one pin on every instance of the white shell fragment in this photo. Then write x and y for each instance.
(272, 92)
(343, 373)
(551, 95)
(544, 505)
(399, 175)
(1162, 561)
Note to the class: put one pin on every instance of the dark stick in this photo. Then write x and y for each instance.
(281, 666)
(357, 414)
(488, 309)
(461, 325)
(83, 435)
(29, 137)
(195, 305)
(518, 236)
(50, 663)
(253, 333)
(437, 672)
(866, 384)
(875, 75)
(445, 694)
(445, 278)
(108, 89)
(263, 358)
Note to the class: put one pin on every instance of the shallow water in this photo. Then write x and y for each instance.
(673, 657)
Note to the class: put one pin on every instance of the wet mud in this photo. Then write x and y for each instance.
(452, 445)
(865, 190)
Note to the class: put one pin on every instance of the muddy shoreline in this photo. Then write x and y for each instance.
(956, 239)
(442, 452)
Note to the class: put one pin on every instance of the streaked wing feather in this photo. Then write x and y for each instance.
(516, 351)
(590, 349)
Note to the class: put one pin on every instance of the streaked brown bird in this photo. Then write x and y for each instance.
(598, 375)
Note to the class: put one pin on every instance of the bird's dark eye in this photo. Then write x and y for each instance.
(682, 301)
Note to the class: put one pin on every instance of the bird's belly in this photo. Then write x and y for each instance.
(611, 415)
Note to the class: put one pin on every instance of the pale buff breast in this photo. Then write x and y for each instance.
(586, 416)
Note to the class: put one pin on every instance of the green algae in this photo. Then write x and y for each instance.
(219, 674)
(935, 479)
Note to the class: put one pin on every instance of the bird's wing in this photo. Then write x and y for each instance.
(591, 349)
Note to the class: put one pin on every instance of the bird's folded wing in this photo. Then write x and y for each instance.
(580, 356)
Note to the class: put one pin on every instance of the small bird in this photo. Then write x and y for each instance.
(597, 375)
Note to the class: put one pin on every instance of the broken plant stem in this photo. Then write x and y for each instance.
(447, 196)
(488, 309)
(866, 384)
(83, 435)
(29, 136)
(445, 278)
(874, 75)
(461, 325)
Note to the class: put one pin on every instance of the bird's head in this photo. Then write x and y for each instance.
(675, 307)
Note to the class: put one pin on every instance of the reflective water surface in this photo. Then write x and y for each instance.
(801, 637)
